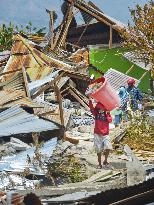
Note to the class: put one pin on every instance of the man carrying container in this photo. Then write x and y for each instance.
(102, 141)
(107, 100)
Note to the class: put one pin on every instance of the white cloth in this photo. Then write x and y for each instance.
(102, 143)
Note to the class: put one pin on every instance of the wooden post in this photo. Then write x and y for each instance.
(111, 37)
(26, 82)
(59, 99)
(52, 27)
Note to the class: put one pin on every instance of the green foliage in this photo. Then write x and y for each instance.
(68, 168)
(140, 133)
(139, 37)
(6, 33)
(40, 31)
(55, 16)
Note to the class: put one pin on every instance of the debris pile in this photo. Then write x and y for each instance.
(46, 128)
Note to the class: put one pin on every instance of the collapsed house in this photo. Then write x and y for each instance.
(43, 91)
(107, 28)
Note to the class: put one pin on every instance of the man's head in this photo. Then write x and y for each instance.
(122, 92)
(131, 82)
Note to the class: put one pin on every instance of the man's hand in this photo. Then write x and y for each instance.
(17, 199)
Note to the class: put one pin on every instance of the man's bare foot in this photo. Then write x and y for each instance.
(105, 163)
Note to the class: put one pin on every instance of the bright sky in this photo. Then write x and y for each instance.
(23, 11)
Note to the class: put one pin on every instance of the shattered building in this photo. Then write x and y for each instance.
(107, 28)
(42, 98)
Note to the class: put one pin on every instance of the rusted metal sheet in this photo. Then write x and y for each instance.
(16, 82)
(13, 92)
(36, 63)
(10, 97)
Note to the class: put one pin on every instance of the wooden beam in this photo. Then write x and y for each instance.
(46, 113)
(78, 99)
(66, 89)
(52, 27)
(84, 98)
(51, 83)
(57, 79)
(26, 82)
(59, 99)
(93, 12)
(111, 37)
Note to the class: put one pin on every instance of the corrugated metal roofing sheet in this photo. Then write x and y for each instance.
(9, 95)
(38, 83)
(16, 82)
(117, 79)
(18, 163)
(4, 55)
(134, 58)
(36, 63)
(13, 92)
(15, 121)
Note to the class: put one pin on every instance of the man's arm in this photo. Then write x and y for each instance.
(92, 109)
(98, 80)
(139, 95)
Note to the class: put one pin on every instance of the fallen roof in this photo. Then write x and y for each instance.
(92, 10)
(13, 92)
(36, 63)
(10, 98)
(132, 57)
(17, 121)
(117, 79)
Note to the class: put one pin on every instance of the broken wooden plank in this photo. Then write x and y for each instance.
(83, 97)
(78, 99)
(59, 99)
(43, 88)
(111, 37)
(26, 82)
